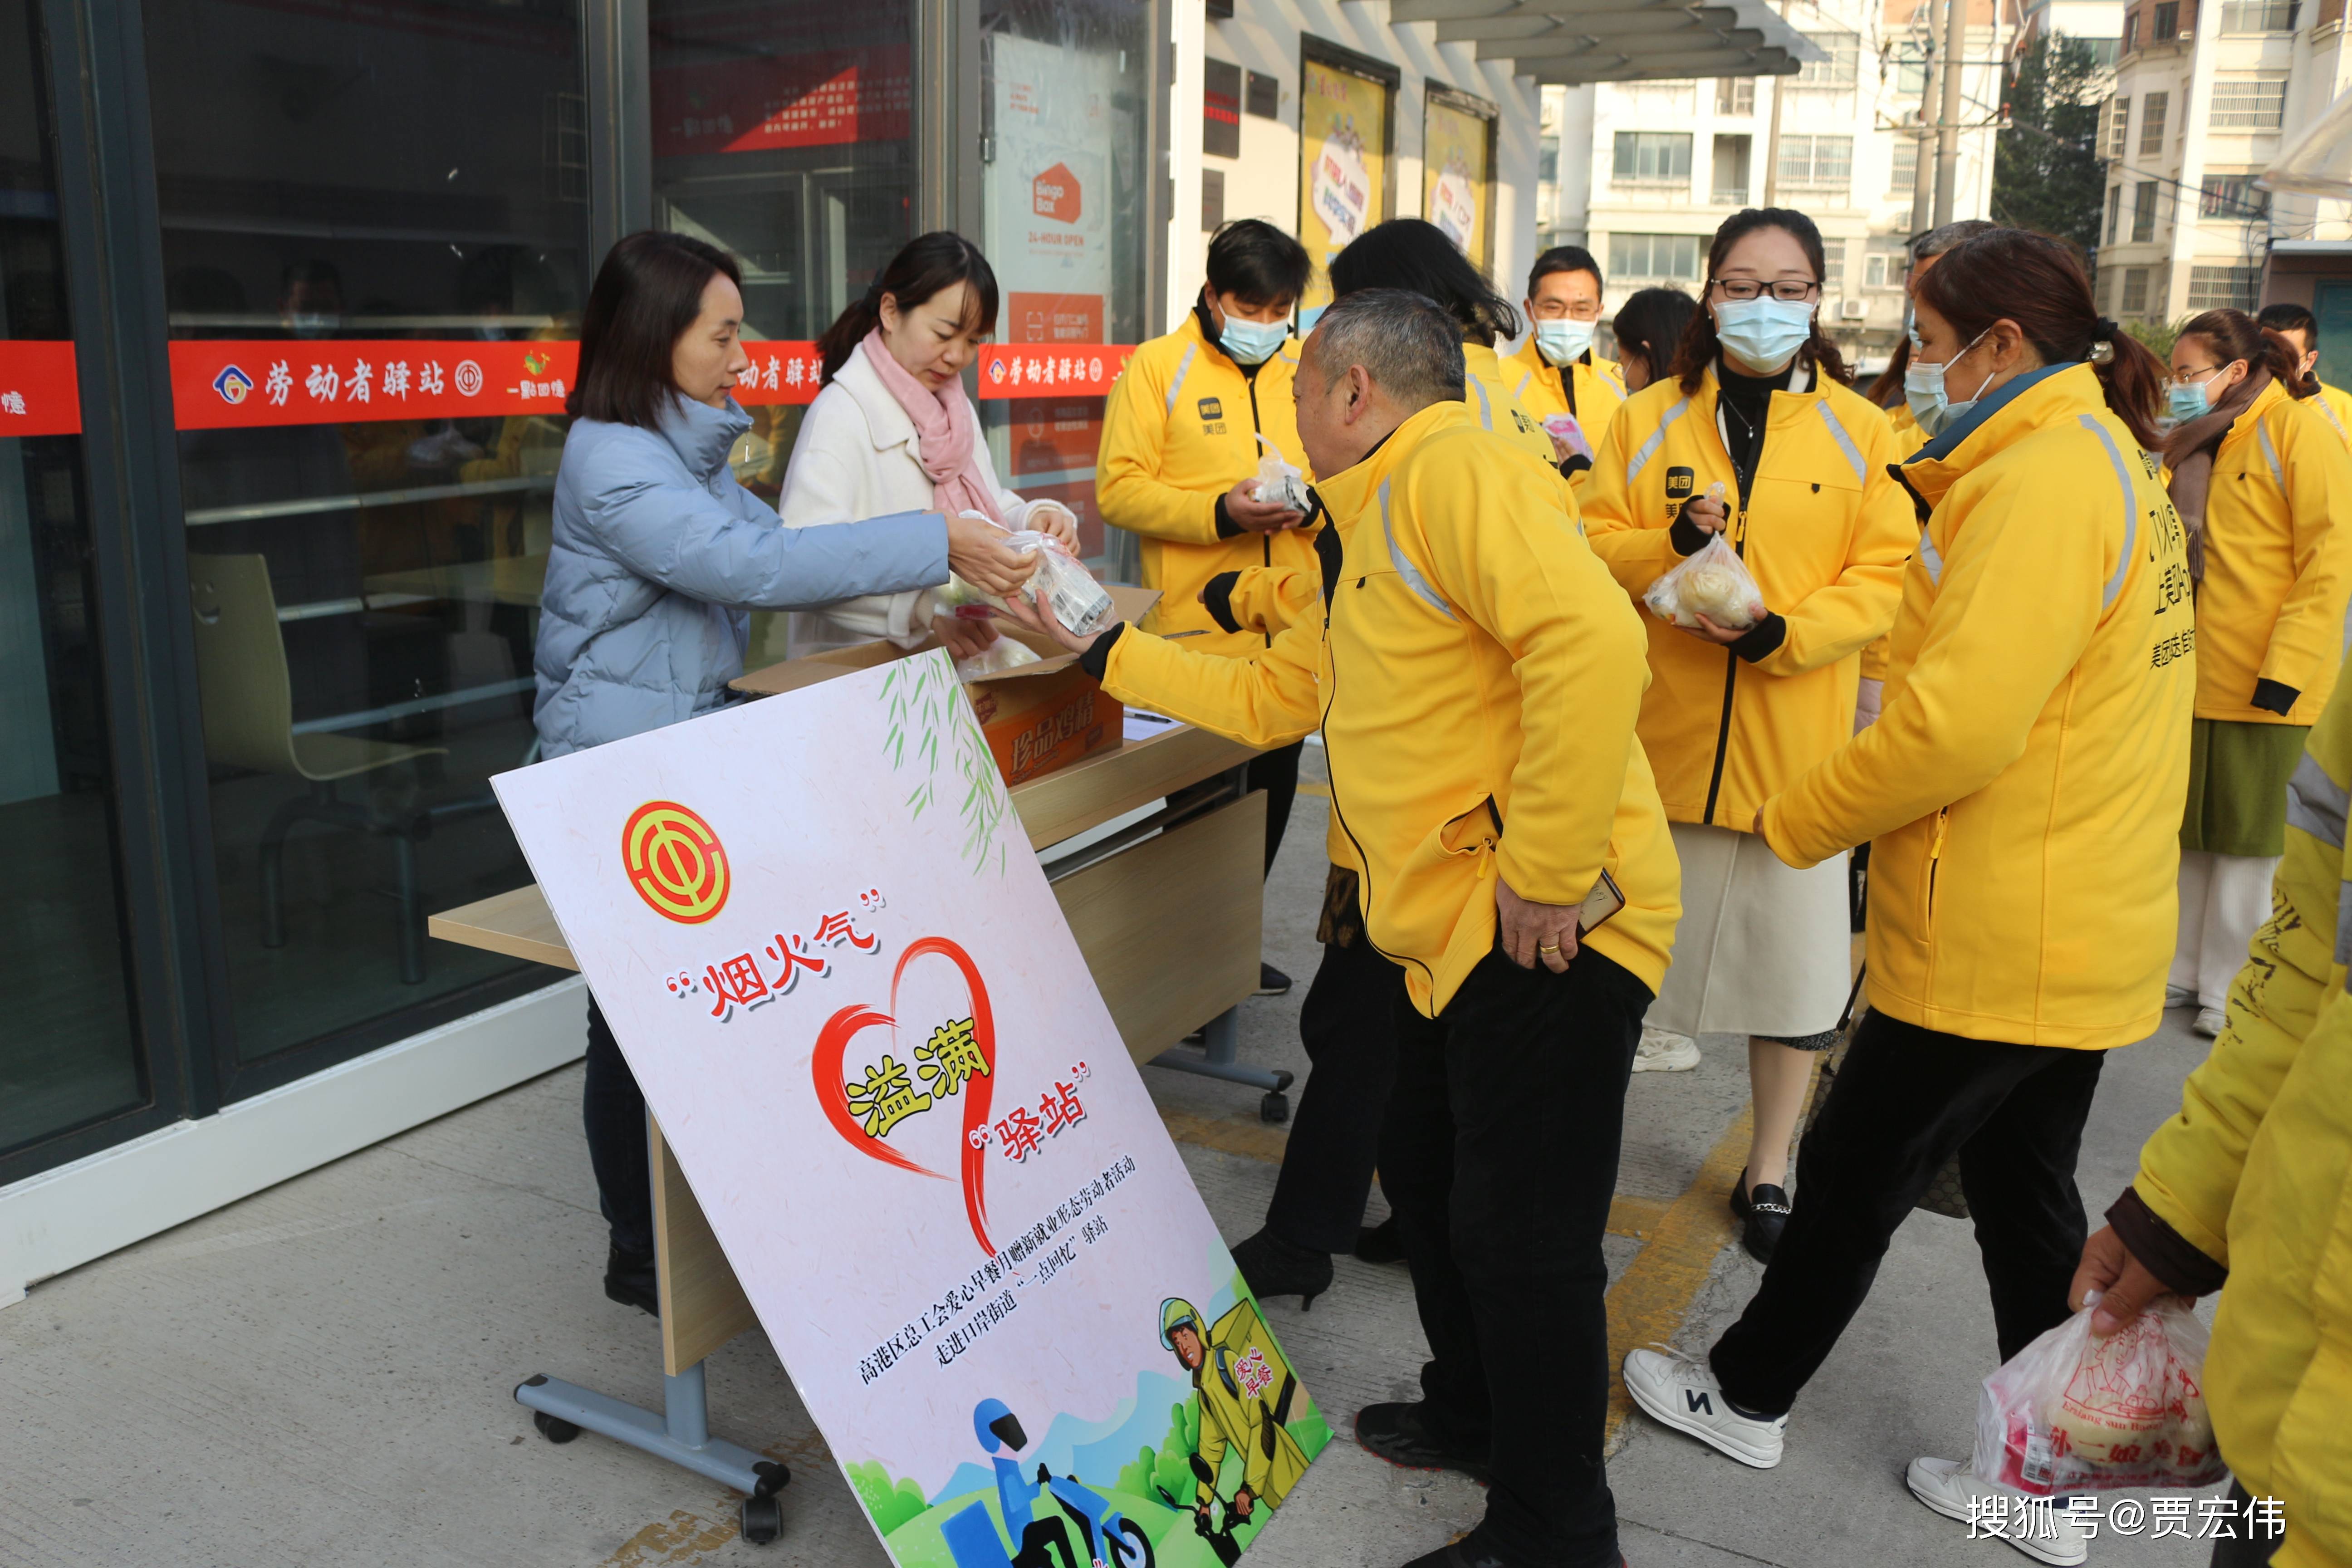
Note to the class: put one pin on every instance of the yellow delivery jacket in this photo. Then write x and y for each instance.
(2278, 568)
(1599, 384)
(1826, 532)
(1490, 399)
(2022, 789)
(2256, 1173)
(2333, 405)
(1179, 427)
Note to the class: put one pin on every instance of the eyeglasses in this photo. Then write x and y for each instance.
(2191, 378)
(1789, 290)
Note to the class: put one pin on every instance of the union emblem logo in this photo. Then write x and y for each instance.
(676, 863)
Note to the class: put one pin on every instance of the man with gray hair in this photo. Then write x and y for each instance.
(1477, 690)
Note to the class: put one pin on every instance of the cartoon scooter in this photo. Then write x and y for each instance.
(971, 1535)
(1113, 1540)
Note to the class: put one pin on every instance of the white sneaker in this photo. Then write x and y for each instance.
(2210, 1021)
(1680, 1391)
(2180, 996)
(1661, 1052)
(2039, 1528)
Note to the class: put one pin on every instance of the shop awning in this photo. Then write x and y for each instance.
(1571, 41)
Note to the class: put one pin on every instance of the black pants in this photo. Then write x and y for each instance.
(614, 1112)
(1499, 1155)
(1276, 772)
(1905, 1102)
(1348, 1027)
(2251, 1546)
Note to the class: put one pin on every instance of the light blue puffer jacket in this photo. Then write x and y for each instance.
(658, 556)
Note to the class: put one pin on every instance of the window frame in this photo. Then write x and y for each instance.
(1640, 143)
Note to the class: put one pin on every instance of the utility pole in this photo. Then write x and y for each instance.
(1948, 129)
(1923, 166)
(1772, 145)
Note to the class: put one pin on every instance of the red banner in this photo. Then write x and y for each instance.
(1050, 370)
(779, 373)
(232, 386)
(820, 100)
(39, 392)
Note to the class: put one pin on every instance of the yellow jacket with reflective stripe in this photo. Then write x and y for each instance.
(1826, 532)
(1488, 394)
(2022, 789)
(2278, 568)
(2335, 405)
(1180, 428)
(1537, 383)
(2256, 1173)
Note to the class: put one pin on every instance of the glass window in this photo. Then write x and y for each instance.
(1832, 265)
(2135, 290)
(1065, 96)
(1905, 178)
(1873, 271)
(1818, 164)
(1910, 60)
(2114, 206)
(2258, 15)
(1838, 71)
(2167, 21)
(2213, 288)
(2257, 105)
(1730, 187)
(1458, 170)
(2152, 109)
(374, 249)
(1735, 95)
(2234, 196)
(2131, 32)
(2144, 210)
(2119, 124)
(1672, 257)
(69, 1055)
(1653, 155)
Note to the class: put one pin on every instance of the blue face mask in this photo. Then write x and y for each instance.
(1929, 399)
(2187, 402)
(1763, 334)
(1251, 343)
(1560, 343)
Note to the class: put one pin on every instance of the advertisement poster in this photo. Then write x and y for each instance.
(1343, 134)
(835, 968)
(1458, 158)
(1048, 195)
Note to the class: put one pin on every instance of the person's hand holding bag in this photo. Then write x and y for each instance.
(978, 553)
(1046, 516)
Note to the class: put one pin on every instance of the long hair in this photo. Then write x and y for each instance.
(924, 265)
(2035, 281)
(646, 296)
(1700, 346)
(1410, 254)
(2235, 335)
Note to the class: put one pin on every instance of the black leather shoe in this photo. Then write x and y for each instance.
(1397, 1433)
(1380, 1243)
(1461, 1556)
(629, 1279)
(1272, 981)
(1764, 1213)
(1273, 1267)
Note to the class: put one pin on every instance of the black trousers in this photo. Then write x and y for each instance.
(1905, 1102)
(2251, 1546)
(1499, 1155)
(1348, 1027)
(614, 1113)
(1276, 772)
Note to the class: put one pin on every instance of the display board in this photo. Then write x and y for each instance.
(1344, 137)
(1457, 179)
(830, 956)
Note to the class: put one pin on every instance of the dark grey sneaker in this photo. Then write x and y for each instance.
(1399, 1434)
(1272, 981)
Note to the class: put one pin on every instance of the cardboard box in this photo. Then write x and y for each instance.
(1035, 719)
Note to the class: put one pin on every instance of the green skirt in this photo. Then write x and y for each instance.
(2237, 786)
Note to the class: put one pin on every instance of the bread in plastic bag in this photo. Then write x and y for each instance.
(1713, 583)
(1278, 483)
(2073, 1412)
(1000, 655)
(1059, 583)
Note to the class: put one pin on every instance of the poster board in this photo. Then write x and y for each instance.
(1346, 135)
(818, 931)
(1457, 163)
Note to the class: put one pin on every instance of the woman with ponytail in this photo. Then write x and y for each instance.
(2259, 478)
(2022, 795)
(894, 431)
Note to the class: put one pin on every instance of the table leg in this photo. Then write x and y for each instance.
(1220, 1047)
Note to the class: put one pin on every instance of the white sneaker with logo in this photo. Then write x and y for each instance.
(2210, 1022)
(1680, 1391)
(2035, 1526)
(1661, 1052)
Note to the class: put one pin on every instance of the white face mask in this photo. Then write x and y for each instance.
(1930, 399)
(1561, 342)
(1763, 334)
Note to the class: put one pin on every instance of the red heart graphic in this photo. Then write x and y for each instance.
(832, 1093)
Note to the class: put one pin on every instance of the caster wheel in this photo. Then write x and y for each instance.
(554, 1428)
(762, 1519)
(1275, 1106)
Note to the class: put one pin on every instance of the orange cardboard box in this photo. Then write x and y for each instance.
(1035, 719)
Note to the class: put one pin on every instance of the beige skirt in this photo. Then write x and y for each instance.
(1763, 948)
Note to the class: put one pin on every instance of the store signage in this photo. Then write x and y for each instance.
(219, 385)
(1050, 370)
(900, 1101)
(1054, 194)
(773, 102)
(39, 392)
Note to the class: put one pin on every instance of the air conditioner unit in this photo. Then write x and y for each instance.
(1852, 310)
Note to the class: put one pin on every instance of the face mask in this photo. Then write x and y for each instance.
(1561, 342)
(1763, 334)
(2184, 402)
(1251, 343)
(1930, 400)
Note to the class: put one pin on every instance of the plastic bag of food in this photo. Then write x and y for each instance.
(1715, 583)
(1000, 655)
(1059, 583)
(1279, 484)
(2073, 1412)
(1567, 435)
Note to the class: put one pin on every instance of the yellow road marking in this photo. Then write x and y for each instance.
(681, 1538)
(1310, 787)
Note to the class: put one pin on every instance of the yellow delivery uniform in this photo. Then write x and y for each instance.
(1593, 391)
(1488, 395)
(2333, 405)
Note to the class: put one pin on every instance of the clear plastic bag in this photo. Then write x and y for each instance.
(1714, 583)
(2071, 1413)
(1059, 583)
(1278, 483)
(1000, 655)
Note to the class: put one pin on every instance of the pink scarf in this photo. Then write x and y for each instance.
(947, 433)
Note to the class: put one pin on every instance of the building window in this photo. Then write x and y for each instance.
(2213, 288)
(2259, 15)
(2135, 290)
(1844, 52)
(2115, 210)
(1647, 155)
(2119, 124)
(2144, 210)
(1906, 177)
(1730, 187)
(1910, 61)
(2248, 105)
(1832, 265)
(1735, 95)
(2152, 111)
(2167, 21)
(1817, 163)
(1873, 270)
(2234, 196)
(2131, 32)
(1673, 256)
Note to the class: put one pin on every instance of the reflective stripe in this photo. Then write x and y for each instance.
(1521, 390)
(2316, 802)
(2344, 922)
(2319, 401)
(1485, 410)
(1406, 569)
(2270, 456)
(1845, 442)
(1931, 559)
(1182, 368)
(1649, 448)
(2131, 509)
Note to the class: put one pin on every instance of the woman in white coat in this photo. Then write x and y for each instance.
(893, 421)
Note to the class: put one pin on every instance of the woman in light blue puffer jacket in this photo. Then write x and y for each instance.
(659, 557)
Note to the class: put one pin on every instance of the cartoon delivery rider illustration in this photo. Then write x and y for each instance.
(1245, 1389)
